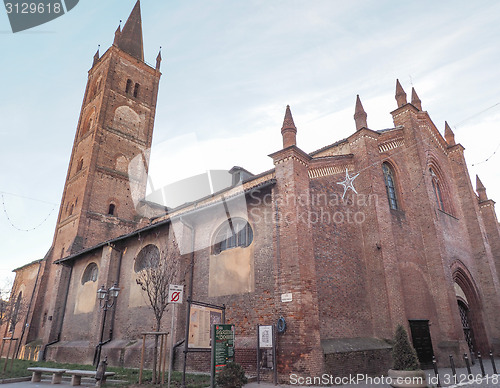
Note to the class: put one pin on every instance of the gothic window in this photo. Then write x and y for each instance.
(233, 233)
(436, 186)
(90, 273)
(136, 90)
(111, 209)
(71, 209)
(390, 185)
(148, 257)
(129, 86)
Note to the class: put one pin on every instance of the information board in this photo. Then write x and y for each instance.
(222, 347)
(200, 321)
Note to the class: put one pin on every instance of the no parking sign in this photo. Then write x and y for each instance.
(175, 293)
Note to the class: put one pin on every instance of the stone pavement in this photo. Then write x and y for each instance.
(446, 380)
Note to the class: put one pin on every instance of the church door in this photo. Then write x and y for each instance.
(421, 338)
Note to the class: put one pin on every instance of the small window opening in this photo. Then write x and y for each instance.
(129, 85)
(136, 90)
(80, 165)
(111, 209)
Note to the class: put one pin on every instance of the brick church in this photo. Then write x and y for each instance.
(343, 244)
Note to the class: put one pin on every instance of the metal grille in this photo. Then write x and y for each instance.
(464, 316)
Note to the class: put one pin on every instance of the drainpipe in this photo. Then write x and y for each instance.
(189, 298)
(118, 273)
(29, 309)
(63, 312)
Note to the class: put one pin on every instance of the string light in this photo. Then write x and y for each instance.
(15, 226)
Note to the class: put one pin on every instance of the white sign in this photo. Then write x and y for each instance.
(286, 297)
(175, 293)
(265, 336)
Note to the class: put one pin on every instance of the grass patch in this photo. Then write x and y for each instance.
(131, 376)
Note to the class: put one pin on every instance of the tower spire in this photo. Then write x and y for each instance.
(400, 94)
(289, 130)
(360, 115)
(448, 134)
(130, 38)
(481, 190)
(415, 100)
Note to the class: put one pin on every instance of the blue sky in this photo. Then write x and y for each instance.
(229, 69)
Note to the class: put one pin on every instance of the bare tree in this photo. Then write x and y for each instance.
(156, 271)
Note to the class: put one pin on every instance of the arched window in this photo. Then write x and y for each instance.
(390, 185)
(136, 90)
(129, 86)
(111, 209)
(436, 186)
(71, 209)
(233, 233)
(148, 257)
(90, 273)
(87, 124)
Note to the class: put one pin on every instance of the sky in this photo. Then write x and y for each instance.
(229, 70)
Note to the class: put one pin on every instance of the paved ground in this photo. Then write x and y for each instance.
(446, 380)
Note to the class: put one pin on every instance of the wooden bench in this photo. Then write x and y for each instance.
(37, 374)
(76, 375)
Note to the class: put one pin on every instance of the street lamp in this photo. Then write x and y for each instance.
(107, 299)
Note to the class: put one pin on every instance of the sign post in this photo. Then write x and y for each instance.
(175, 294)
(222, 348)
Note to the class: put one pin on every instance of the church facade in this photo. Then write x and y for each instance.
(343, 244)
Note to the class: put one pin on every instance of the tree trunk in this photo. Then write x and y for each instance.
(155, 355)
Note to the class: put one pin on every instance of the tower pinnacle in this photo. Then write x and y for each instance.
(481, 190)
(158, 60)
(130, 38)
(400, 94)
(415, 100)
(96, 56)
(448, 134)
(360, 115)
(288, 130)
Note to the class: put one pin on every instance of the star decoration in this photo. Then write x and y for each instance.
(348, 183)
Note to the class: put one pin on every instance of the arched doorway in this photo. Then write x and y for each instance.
(470, 310)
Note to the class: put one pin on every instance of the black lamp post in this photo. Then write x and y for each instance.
(107, 299)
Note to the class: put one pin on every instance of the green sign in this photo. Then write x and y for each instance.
(222, 346)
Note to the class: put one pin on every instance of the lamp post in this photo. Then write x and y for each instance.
(107, 299)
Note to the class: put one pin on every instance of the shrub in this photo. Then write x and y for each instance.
(232, 375)
(403, 353)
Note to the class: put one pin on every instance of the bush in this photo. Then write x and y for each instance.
(403, 353)
(232, 375)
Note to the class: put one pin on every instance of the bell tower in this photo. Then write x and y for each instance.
(115, 126)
